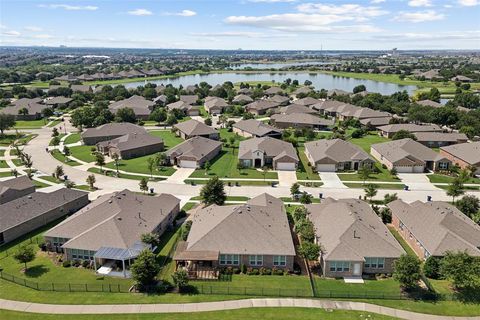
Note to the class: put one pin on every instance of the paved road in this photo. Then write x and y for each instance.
(216, 306)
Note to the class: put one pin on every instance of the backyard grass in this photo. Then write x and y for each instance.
(251, 313)
(30, 124)
(383, 175)
(169, 138)
(366, 141)
(382, 286)
(61, 157)
(305, 171)
(402, 242)
(83, 153)
(390, 186)
(140, 165)
(74, 137)
(441, 178)
(188, 206)
(225, 166)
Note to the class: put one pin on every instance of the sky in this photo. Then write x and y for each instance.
(246, 24)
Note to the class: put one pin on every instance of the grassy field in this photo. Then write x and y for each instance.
(5, 174)
(83, 153)
(169, 138)
(252, 313)
(140, 165)
(122, 175)
(74, 137)
(440, 178)
(2, 153)
(8, 139)
(30, 124)
(60, 157)
(366, 141)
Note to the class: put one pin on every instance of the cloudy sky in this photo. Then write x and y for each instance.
(246, 24)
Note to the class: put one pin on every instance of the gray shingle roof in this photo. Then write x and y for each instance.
(196, 147)
(260, 105)
(440, 136)
(307, 101)
(468, 152)
(270, 146)
(439, 226)
(242, 98)
(302, 118)
(411, 127)
(255, 127)
(139, 104)
(296, 108)
(350, 230)
(194, 128)
(406, 149)
(337, 150)
(113, 129)
(132, 141)
(429, 103)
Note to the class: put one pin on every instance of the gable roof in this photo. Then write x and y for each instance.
(322, 105)
(242, 98)
(302, 118)
(139, 104)
(273, 90)
(115, 220)
(113, 129)
(189, 99)
(194, 128)
(438, 226)
(307, 101)
(132, 141)
(349, 230)
(406, 149)
(260, 105)
(296, 108)
(270, 146)
(429, 103)
(14, 186)
(468, 152)
(410, 127)
(258, 227)
(255, 127)
(440, 136)
(335, 149)
(196, 147)
(33, 108)
(57, 100)
(215, 102)
(279, 99)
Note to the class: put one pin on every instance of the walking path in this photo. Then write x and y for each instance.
(216, 306)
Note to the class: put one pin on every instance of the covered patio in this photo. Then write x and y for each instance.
(116, 262)
(199, 264)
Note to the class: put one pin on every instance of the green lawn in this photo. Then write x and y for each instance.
(140, 165)
(122, 175)
(390, 186)
(188, 206)
(384, 286)
(402, 242)
(31, 124)
(83, 153)
(8, 139)
(366, 141)
(5, 174)
(169, 138)
(441, 178)
(54, 123)
(61, 157)
(251, 313)
(229, 198)
(305, 171)
(2, 153)
(383, 175)
(74, 137)
(289, 199)
(3, 164)
(234, 182)
(39, 184)
(60, 136)
(51, 179)
(226, 135)
(17, 162)
(225, 166)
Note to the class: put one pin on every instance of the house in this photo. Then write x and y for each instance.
(194, 152)
(375, 122)
(15, 188)
(190, 99)
(461, 79)
(25, 110)
(430, 75)
(190, 89)
(110, 131)
(336, 154)
(435, 227)
(408, 156)
(108, 231)
(429, 103)
(254, 128)
(440, 139)
(260, 107)
(161, 100)
(300, 121)
(215, 105)
(245, 91)
(337, 92)
(193, 128)
(281, 100)
(354, 239)
(57, 102)
(242, 99)
(186, 108)
(362, 113)
(302, 90)
(273, 91)
(463, 155)
(67, 77)
(34, 210)
(141, 106)
(81, 88)
(307, 101)
(389, 131)
(255, 234)
(296, 108)
(131, 145)
(327, 104)
(267, 151)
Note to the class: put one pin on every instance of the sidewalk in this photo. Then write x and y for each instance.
(216, 306)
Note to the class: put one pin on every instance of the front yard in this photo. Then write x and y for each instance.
(441, 178)
(140, 165)
(383, 175)
(72, 138)
(30, 124)
(83, 153)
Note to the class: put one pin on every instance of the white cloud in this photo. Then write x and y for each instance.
(241, 34)
(11, 33)
(140, 12)
(68, 7)
(33, 28)
(420, 3)
(377, 1)
(42, 36)
(419, 16)
(468, 3)
(356, 10)
(183, 13)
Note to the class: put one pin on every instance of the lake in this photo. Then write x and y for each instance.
(319, 81)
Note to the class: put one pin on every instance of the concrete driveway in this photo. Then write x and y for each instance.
(417, 182)
(331, 180)
(286, 178)
(180, 175)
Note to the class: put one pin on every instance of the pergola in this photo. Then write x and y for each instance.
(118, 254)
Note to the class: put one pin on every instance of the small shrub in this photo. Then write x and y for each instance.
(76, 263)
(85, 263)
(66, 264)
(278, 272)
(255, 272)
(244, 268)
(236, 271)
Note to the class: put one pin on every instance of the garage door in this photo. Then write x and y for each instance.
(404, 169)
(418, 169)
(188, 164)
(325, 167)
(287, 166)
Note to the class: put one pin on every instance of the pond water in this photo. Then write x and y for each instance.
(319, 81)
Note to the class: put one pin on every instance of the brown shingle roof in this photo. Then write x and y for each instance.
(196, 147)
(194, 128)
(335, 149)
(255, 127)
(468, 152)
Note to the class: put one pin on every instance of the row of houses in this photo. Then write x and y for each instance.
(33, 109)
(114, 75)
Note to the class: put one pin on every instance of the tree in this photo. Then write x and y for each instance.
(144, 268)
(213, 192)
(431, 267)
(207, 166)
(359, 88)
(240, 166)
(125, 114)
(151, 239)
(455, 189)
(462, 269)
(387, 198)
(305, 198)
(160, 159)
(55, 132)
(264, 172)
(406, 270)
(371, 190)
(171, 119)
(180, 279)
(469, 205)
(309, 250)
(24, 255)
(294, 190)
(66, 152)
(208, 121)
(143, 185)
(402, 134)
(100, 160)
(231, 140)
(7, 121)
(58, 172)
(91, 181)
(55, 141)
(364, 173)
(158, 115)
(27, 160)
(116, 159)
(151, 163)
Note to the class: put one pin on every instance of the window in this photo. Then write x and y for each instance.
(279, 261)
(2, 239)
(375, 263)
(229, 259)
(443, 165)
(255, 260)
(339, 266)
